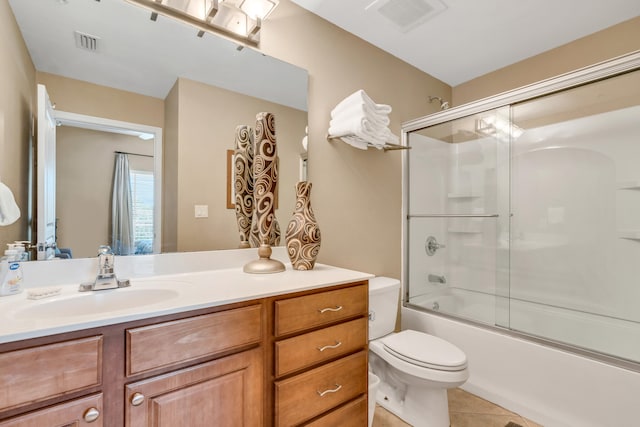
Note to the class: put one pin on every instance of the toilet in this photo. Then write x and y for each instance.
(415, 368)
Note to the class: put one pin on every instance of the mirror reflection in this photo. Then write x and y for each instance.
(159, 74)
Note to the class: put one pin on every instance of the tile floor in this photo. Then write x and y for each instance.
(465, 410)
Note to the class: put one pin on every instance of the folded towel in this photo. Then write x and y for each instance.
(362, 128)
(9, 210)
(360, 97)
(361, 110)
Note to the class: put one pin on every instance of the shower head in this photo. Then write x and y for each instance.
(443, 104)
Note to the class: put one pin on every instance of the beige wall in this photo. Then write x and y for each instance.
(85, 162)
(207, 118)
(77, 96)
(356, 194)
(17, 101)
(606, 44)
(170, 172)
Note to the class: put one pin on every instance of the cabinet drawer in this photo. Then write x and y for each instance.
(312, 393)
(171, 343)
(300, 313)
(39, 373)
(353, 414)
(305, 350)
(78, 412)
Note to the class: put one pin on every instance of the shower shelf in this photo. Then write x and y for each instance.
(628, 185)
(463, 196)
(629, 234)
(477, 215)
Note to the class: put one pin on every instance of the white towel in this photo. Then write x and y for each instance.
(362, 128)
(362, 110)
(360, 97)
(9, 210)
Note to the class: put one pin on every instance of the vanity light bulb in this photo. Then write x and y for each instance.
(258, 8)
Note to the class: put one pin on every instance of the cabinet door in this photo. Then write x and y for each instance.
(76, 413)
(223, 392)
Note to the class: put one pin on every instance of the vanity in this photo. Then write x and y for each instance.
(194, 347)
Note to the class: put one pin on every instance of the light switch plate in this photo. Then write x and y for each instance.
(202, 211)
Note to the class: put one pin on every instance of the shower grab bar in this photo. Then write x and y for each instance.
(453, 216)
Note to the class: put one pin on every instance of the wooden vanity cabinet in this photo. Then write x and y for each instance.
(320, 357)
(226, 391)
(198, 368)
(294, 359)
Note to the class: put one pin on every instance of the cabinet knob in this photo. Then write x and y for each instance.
(137, 399)
(91, 414)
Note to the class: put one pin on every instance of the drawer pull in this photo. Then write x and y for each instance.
(336, 345)
(137, 399)
(331, 390)
(91, 414)
(336, 308)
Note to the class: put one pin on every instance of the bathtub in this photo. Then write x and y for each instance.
(553, 386)
(583, 330)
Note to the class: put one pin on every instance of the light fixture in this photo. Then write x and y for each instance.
(239, 20)
(258, 9)
(499, 126)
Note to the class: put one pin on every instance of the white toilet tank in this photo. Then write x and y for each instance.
(384, 294)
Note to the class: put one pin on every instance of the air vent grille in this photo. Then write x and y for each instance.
(408, 14)
(86, 41)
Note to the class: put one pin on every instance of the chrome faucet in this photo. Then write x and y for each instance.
(106, 278)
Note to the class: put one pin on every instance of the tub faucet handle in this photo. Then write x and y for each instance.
(432, 245)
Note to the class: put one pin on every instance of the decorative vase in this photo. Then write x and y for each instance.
(303, 235)
(265, 176)
(243, 182)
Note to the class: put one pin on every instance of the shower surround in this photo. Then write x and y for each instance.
(522, 241)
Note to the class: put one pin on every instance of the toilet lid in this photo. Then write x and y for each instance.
(425, 350)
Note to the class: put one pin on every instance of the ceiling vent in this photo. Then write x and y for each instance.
(86, 41)
(408, 14)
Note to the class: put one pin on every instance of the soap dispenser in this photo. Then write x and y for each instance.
(11, 272)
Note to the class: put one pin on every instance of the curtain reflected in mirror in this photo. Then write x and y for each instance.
(122, 239)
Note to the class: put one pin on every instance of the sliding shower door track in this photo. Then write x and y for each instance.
(453, 216)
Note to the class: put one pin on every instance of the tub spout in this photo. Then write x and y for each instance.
(434, 278)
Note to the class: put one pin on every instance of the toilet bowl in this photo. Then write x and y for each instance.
(415, 369)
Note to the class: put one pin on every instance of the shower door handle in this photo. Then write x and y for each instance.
(432, 245)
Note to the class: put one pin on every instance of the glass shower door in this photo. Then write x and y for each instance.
(575, 240)
(457, 230)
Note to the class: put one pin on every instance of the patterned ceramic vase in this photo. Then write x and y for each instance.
(265, 175)
(303, 234)
(243, 182)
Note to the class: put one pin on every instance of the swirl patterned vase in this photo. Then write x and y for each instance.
(265, 176)
(243, 182)
(303, 235)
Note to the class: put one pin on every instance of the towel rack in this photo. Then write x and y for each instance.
(388, 146)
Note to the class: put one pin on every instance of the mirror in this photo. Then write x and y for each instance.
(123, 66)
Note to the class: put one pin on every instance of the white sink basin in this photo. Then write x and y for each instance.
(94, 302)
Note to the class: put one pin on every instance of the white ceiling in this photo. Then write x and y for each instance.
(470, 38)
(142, 56)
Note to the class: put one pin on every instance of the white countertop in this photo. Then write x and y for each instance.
(153, 295)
